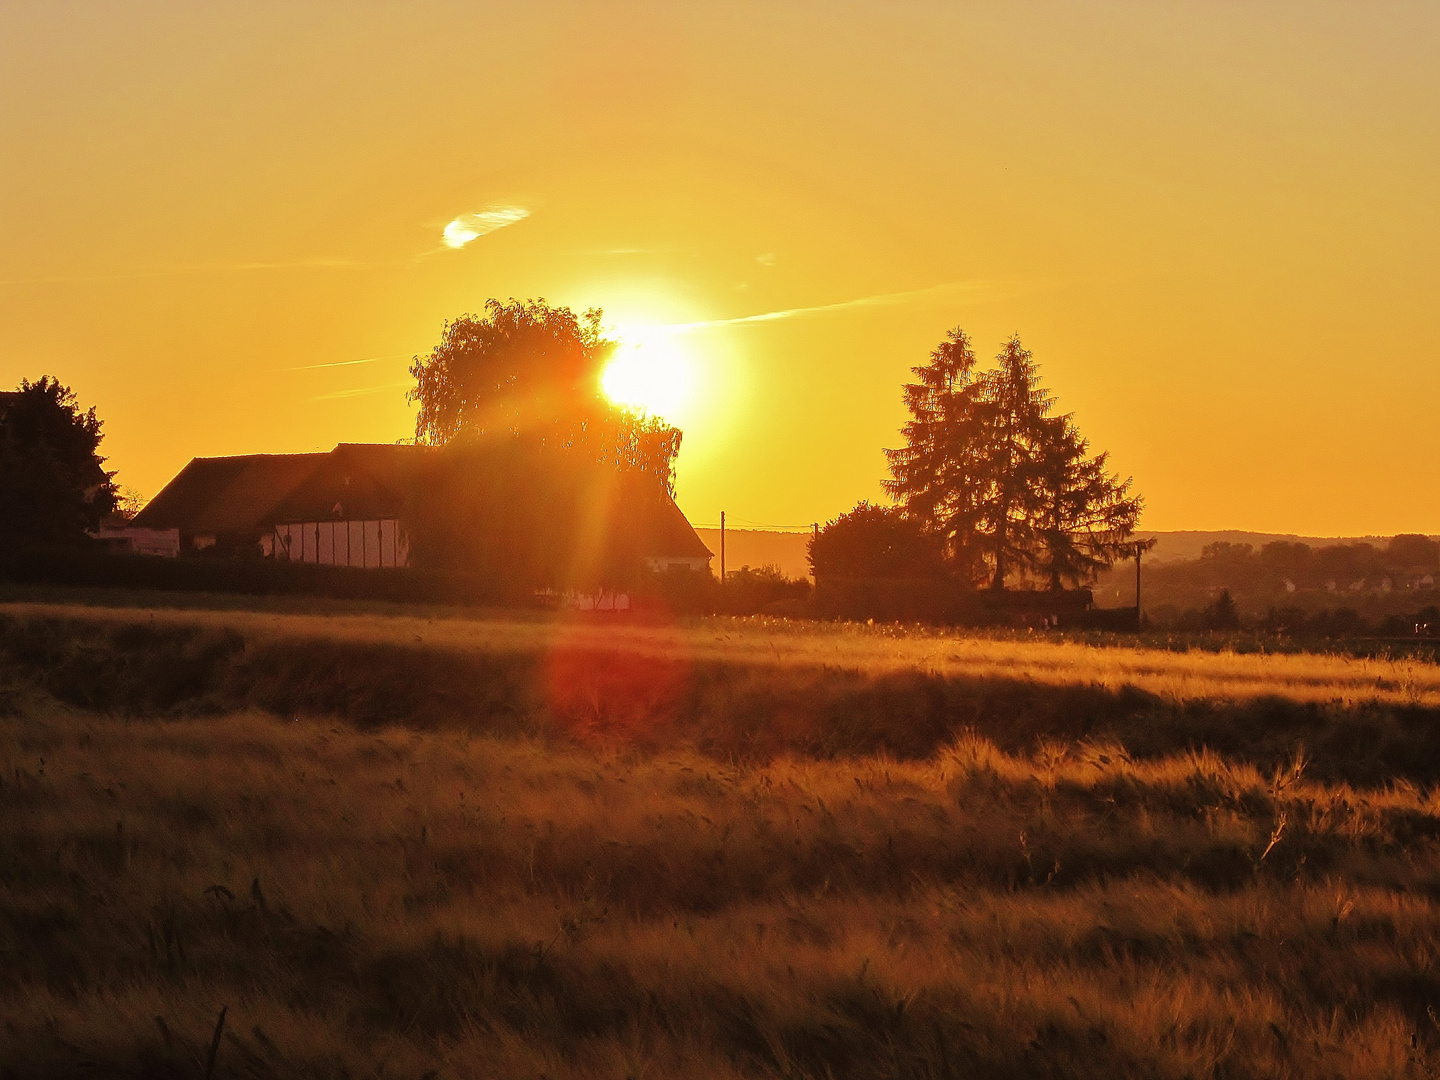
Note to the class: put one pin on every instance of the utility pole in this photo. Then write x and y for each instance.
(722, 547)
(1141, 546)
(1138, 549)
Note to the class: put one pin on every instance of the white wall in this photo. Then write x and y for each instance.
(370, 544)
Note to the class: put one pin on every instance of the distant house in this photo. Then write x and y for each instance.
(347, 508)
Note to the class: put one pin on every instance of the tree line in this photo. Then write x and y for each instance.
(1331, 566)
(992, 485)
(1330, 590)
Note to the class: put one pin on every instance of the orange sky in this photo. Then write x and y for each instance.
(1215, 223)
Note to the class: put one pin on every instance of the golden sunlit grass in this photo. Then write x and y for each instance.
(560, 869)
(1176, 676)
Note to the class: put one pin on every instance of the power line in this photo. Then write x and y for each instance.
(750, 526)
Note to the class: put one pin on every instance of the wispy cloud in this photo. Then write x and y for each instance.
(359, 391)
(469, 227)
(976, 290)
(349, 363)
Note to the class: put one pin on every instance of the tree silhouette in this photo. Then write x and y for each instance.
(1084, 515)
(937, 473)
(526, 368)
(1007, 487)
(1012, 409)
(53, 488)
(874, 542)
(1223, 614)
(1411, 551)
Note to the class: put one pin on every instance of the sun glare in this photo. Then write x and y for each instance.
(650, 372)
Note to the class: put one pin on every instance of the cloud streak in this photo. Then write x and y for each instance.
(348, 363)
(468, 227)
(358, 391)
(978, 290)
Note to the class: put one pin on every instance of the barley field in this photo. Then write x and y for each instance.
(258, 845)
(763, 641)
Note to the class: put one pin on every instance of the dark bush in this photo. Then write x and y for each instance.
(253, 577)
(753, 591)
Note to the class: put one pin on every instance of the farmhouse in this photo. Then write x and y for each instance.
(348, 508)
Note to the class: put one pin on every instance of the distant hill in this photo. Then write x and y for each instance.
(1187, 543)
(1365, 576)
(786, 550)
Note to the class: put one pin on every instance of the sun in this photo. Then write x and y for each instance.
(650, 372)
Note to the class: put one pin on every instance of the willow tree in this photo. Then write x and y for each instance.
(1009, 488)
(528, 371)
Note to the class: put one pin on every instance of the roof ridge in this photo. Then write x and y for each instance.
(252, 457)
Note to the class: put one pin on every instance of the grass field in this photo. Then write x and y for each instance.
(734, 848)
(1178, 676)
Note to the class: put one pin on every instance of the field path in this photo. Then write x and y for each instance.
(1174, 676)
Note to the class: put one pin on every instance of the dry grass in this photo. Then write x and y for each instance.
(393, 903)
(581, 899)
(1174, 676)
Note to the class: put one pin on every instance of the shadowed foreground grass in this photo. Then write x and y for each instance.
(397, 903)
(554, 865)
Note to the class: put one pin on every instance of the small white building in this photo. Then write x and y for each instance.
(130, 539)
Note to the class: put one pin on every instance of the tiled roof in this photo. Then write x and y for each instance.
(659, 527)
(365, 480)
(227, 495)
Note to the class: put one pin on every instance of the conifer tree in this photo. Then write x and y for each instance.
(1085, 514)
(934, 475)
(1010, 489)
(1012, 409)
